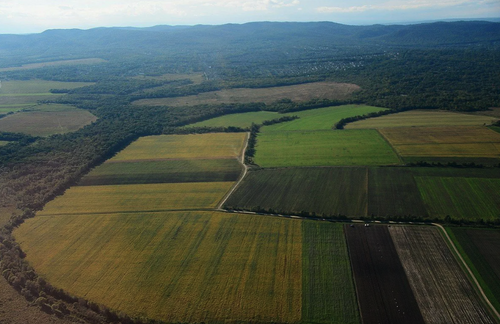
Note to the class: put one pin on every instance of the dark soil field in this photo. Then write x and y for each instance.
(384, 293)
(323, 191)
(443, 292)
(481, 247)
(394, 192)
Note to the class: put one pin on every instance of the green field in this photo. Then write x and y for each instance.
(393, 192)
(32, 87)
(323, 191)
(323, 148)
(178, 267)
(199, 146)
(239, 120)
(480, 247)
(137, 198)
(163, 171)
(53, 63)
(321, 118)
(2, 143)
(328, 288)
(461, 198)
(425, 118)
(44, 123)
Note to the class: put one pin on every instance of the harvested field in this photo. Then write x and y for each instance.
(137, 198)
(239, 120)
(323, 191)
(196, 78)
(169, 171)
(383, 290)
(46, 123)
(321, 118)
(394, 192)
(492, 112)
(54, 63)
(441, 288)
(299, 92)
(461, 198)
(182, 147)
(481, 248)
(424, 118)
(177, 267)
(328, 287)
(444, 141)
(323, 148)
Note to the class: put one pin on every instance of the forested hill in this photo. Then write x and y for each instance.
(107, 42)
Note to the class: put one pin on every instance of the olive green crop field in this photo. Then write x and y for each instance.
(328, 288)
(323, 148)
(169, 171)
(2, 143)
(424, 118)
(444, 141)
(480, 249)
(461, 198)
(178, 267)
(137, 198)
(299, 92)
(199, 146)
(321, 118)
(323, 191)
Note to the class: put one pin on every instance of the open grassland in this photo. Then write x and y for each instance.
(137, 198)
(425, 118)
(383, 290)
(441, 288)
(322, 191)
(444, 141)
(480, 248)
(461, 198)
(323, 148)
(44, 123)
(321, 118)
(299, 93)
(170, 171)
(53, 63)
(199, 146)
(178, 267)
(36, 87)
(196, 78)
(239, 120)
(393, 192)
(328, 287)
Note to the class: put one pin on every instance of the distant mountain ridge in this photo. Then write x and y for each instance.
(102, 42)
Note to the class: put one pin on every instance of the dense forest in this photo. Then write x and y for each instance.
(454, 66)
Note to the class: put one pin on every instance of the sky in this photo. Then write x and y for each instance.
(33, 16)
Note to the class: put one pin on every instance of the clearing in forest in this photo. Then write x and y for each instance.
(323, 148)
(443, 292)
(424, 118)
(299, 92)
(239, 120)
(30, 66)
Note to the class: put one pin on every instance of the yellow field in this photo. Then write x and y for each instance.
(199, 146)
(426, 118)
(137, 198)
(444, 141)
(178, 267)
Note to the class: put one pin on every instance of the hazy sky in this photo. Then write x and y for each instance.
(24, 16)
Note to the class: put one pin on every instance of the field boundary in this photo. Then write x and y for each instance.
(242, 176)
(470, 273)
